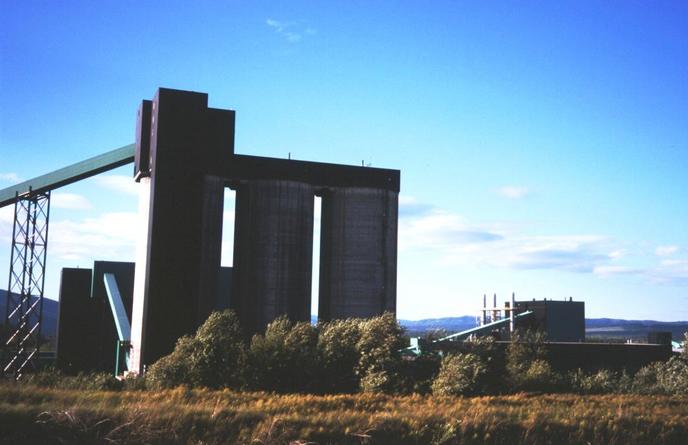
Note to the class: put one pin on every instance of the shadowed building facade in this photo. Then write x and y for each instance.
(87, 335)
(184, 160)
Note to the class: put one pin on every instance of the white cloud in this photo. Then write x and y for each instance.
(666, 250)
(70, 201)
(6, 221)
(9, 177)
(119, 183)
(292, 31)
(454, 240)
(279, 26)
(407, 200)
(670, 272)
(572, 253)
(619, 253)
(109, 236)
(611, 270)
(513, 191)
(410, 206)
(442, 231)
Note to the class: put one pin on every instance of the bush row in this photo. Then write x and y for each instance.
(346, 356)
(339, 356)
(525, 368)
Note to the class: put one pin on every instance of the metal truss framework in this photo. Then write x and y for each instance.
(26, 281)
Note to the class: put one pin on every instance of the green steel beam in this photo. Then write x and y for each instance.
(67, 175)
(483, 328)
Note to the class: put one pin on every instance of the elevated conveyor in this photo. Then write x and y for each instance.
(68, 175)
(31, 200)
(417, 348)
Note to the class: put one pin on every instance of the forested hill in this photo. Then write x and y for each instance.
(50, 312)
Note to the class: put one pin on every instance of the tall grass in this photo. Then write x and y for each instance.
(30, 414)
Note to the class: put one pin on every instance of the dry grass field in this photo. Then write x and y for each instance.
(36, 415)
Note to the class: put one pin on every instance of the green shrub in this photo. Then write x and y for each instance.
(417, 375)
(285, 359)
(134, 383)
(460, 374)
(673, 376)
(173, 369)
(219, 358)
(670, 377)
(600, 382)
(379, 358)
(526, 363)
(215, 357)
(645, 381)
(339, 356)
(493, 357)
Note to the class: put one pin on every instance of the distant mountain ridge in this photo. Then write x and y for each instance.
(50, 313)
(594, 327)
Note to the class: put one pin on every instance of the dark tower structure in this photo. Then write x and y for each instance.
(177, 269)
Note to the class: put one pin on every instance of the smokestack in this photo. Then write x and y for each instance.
(513, 311)
(494, 308)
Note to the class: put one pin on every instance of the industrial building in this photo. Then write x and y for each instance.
(183, 161)
(87, 328)
(563, 324)
(561, 321)
(118, 315)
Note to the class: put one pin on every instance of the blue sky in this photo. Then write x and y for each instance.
(543, 147)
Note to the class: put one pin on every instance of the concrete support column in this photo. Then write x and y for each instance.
(273, 245)
(178, 272)
(358, 252)
(212, 201)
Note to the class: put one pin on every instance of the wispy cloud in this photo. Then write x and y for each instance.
(293, 32)
(571, 253)
(455, 240)
(513, 191)
(70, 201)
(119, 183)
(425, 229)
(9, 177)
(109, 236)
(409, 206)
(670, 272)
(666, 250)
(6, 221)
(619, 253)
(612, 270)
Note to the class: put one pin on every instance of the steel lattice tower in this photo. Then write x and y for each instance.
(26, 280)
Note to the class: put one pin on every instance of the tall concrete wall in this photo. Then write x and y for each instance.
(188, 141)
(358, 252)
(273, 244)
